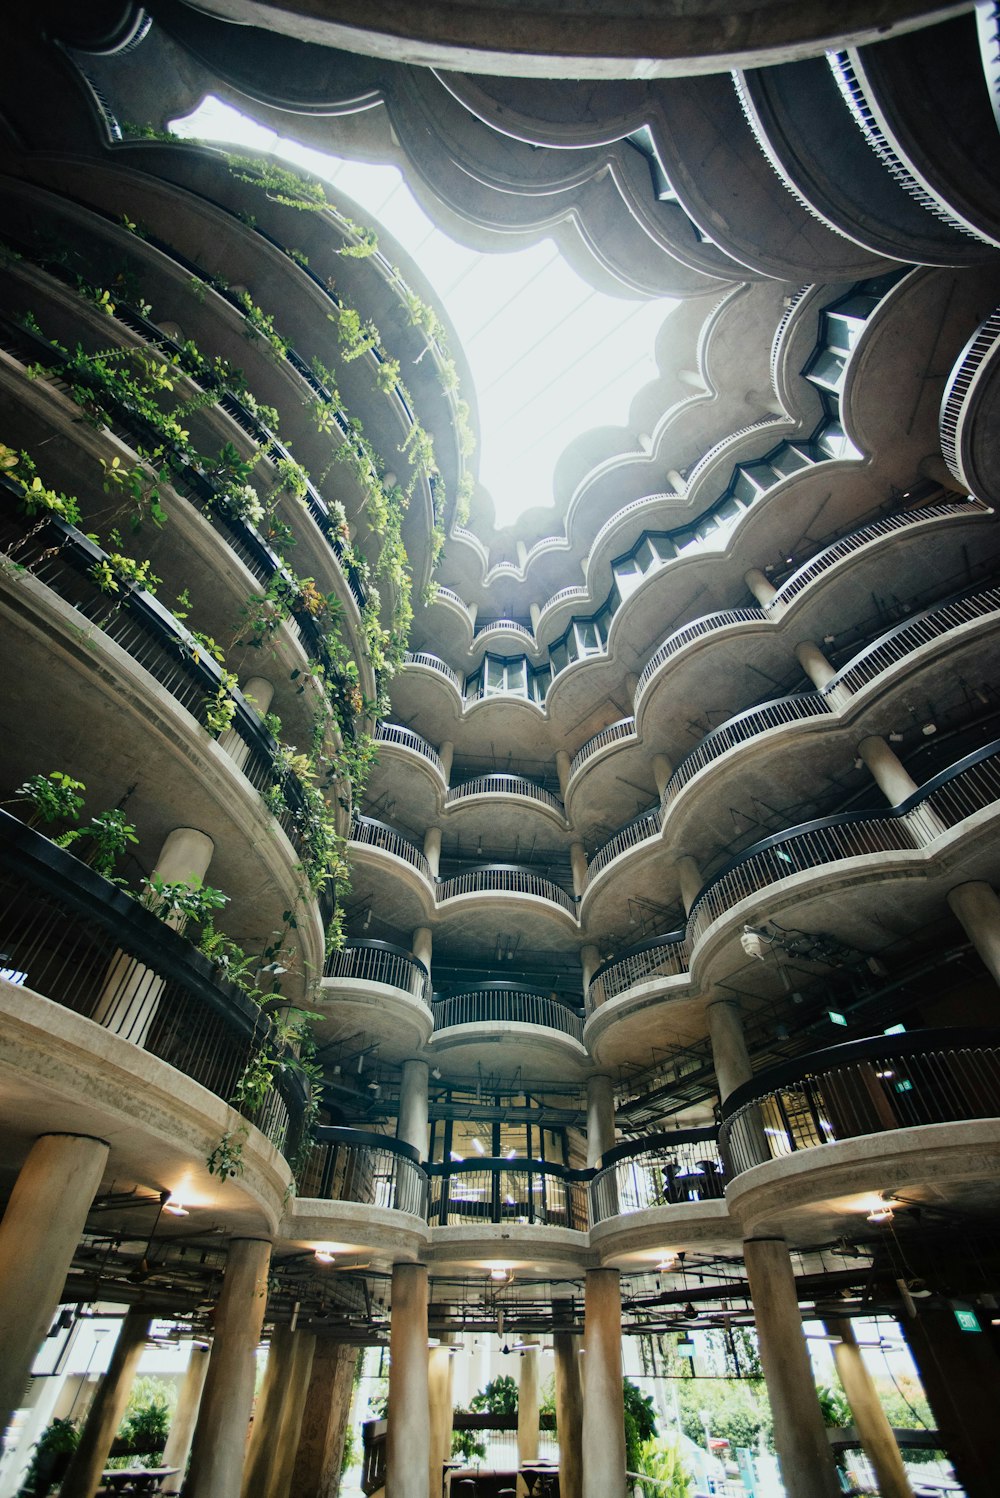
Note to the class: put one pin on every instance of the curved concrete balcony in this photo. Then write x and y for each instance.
(643, 966)
(509, 1190)
(83, 944)
(507, 879)
(523, 1027)
(360, 1192)
(377, 988)
(405, 738)
(827, 1139)
(604, 741)
(967, 411)
(511, 788)
(698, 628)
(647, 825)
(667, 1170)
(854, 839)
(366, 832)
(506, 1003)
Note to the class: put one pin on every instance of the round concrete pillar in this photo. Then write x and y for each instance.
(761, 587)
(446, 754)
(432, 850)
(408, 1446)
(411, 1125)
(178, 1447)
(799, 1433)
(41, 1228)
(730, 1056)
(563, 763)
(600, 1118)
(662, 771)
(83, 1476)
(689, 875)
(978, 909)
(440, 1366)
(286, 1438)
(590, 961)
(603, 1442)
(220, 1436)
(422, 943)
(569, 1413)
(890, 775)
(578, 862)
(815, 664)
(259, 1464)
(527, 1405)
(870, 1420)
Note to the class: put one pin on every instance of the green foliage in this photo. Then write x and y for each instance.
(640, 1422)
(498, 1398)
(146, 1422)
(220, 707)
(107, 836)
(662, 1460)
(279, 183)
(58, 1438)
(468, 1445)
(181, 899)
(737, 1410)
(52, 798)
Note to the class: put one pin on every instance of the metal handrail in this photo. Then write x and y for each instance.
(970, 785)
(970, 362)
(744, 726)
(90, 947)
(669, 1170)
(639, 830)
(424, 658)
(366, 832)
(724, 443)
(847, 545)
(506, 879)
(349, 1165)
(662, 956)
(613, 734)
(486, 1189)
(897, 643)
(698, 628)
(380, 962)
(794, 303)
(406, 738)
(511, 785)
(861, 1088)
(508, 1004)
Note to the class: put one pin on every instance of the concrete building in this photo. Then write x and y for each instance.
(637, 860)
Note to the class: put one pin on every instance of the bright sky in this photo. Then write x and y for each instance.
(550, 356)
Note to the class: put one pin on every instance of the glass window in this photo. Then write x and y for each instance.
(517, 676)
(494, 674)
(628, 575)
(588, 636)
(558, 655)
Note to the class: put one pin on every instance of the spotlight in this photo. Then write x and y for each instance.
(323, 1255)
(880, 1216)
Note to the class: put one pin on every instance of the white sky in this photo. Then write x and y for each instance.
(550, 356)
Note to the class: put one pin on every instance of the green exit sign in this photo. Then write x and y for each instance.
(968, 1321)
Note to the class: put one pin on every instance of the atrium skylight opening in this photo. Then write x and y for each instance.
(551, 357)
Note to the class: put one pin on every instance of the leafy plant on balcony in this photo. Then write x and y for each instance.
(220, 708)
(181, 900)
(53, 798)
(114, 571)
(105, 839)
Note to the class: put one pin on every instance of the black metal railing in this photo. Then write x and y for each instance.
(663, 956)
(511, 1003)
(64, 560)
(487, 1190)
(864, 1087)
(662, 1171)
(380, 962)
(374, 1170)
(81, 942)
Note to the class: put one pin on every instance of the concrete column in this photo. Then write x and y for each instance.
(446, 754)
(600, 1118)
(536, 614)
(569, 1413)
(631, 685)
(261, 691)
(290, 1423)
(676, 481)
(815, 664)
(522, 553)
(422, 943)
(131, 992)
(590, 961)
(259, 1464)
(960, 1372)
(730, 1056)
(896, 784)
(799, 1433)
(440, 1366)
(432, 850)
(527, 1409)
(563, 763)
(411, 1125)
(690, 879)
(39, 1233)
(178, 1447)
(978, 909)
(662, 771)
(473, 611)
(578, 861)
(877, 1439)
(761, 587)
(90, 1458)
(603, 1441)
(220, 1437)
(327, 1407)
(408, 1446)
